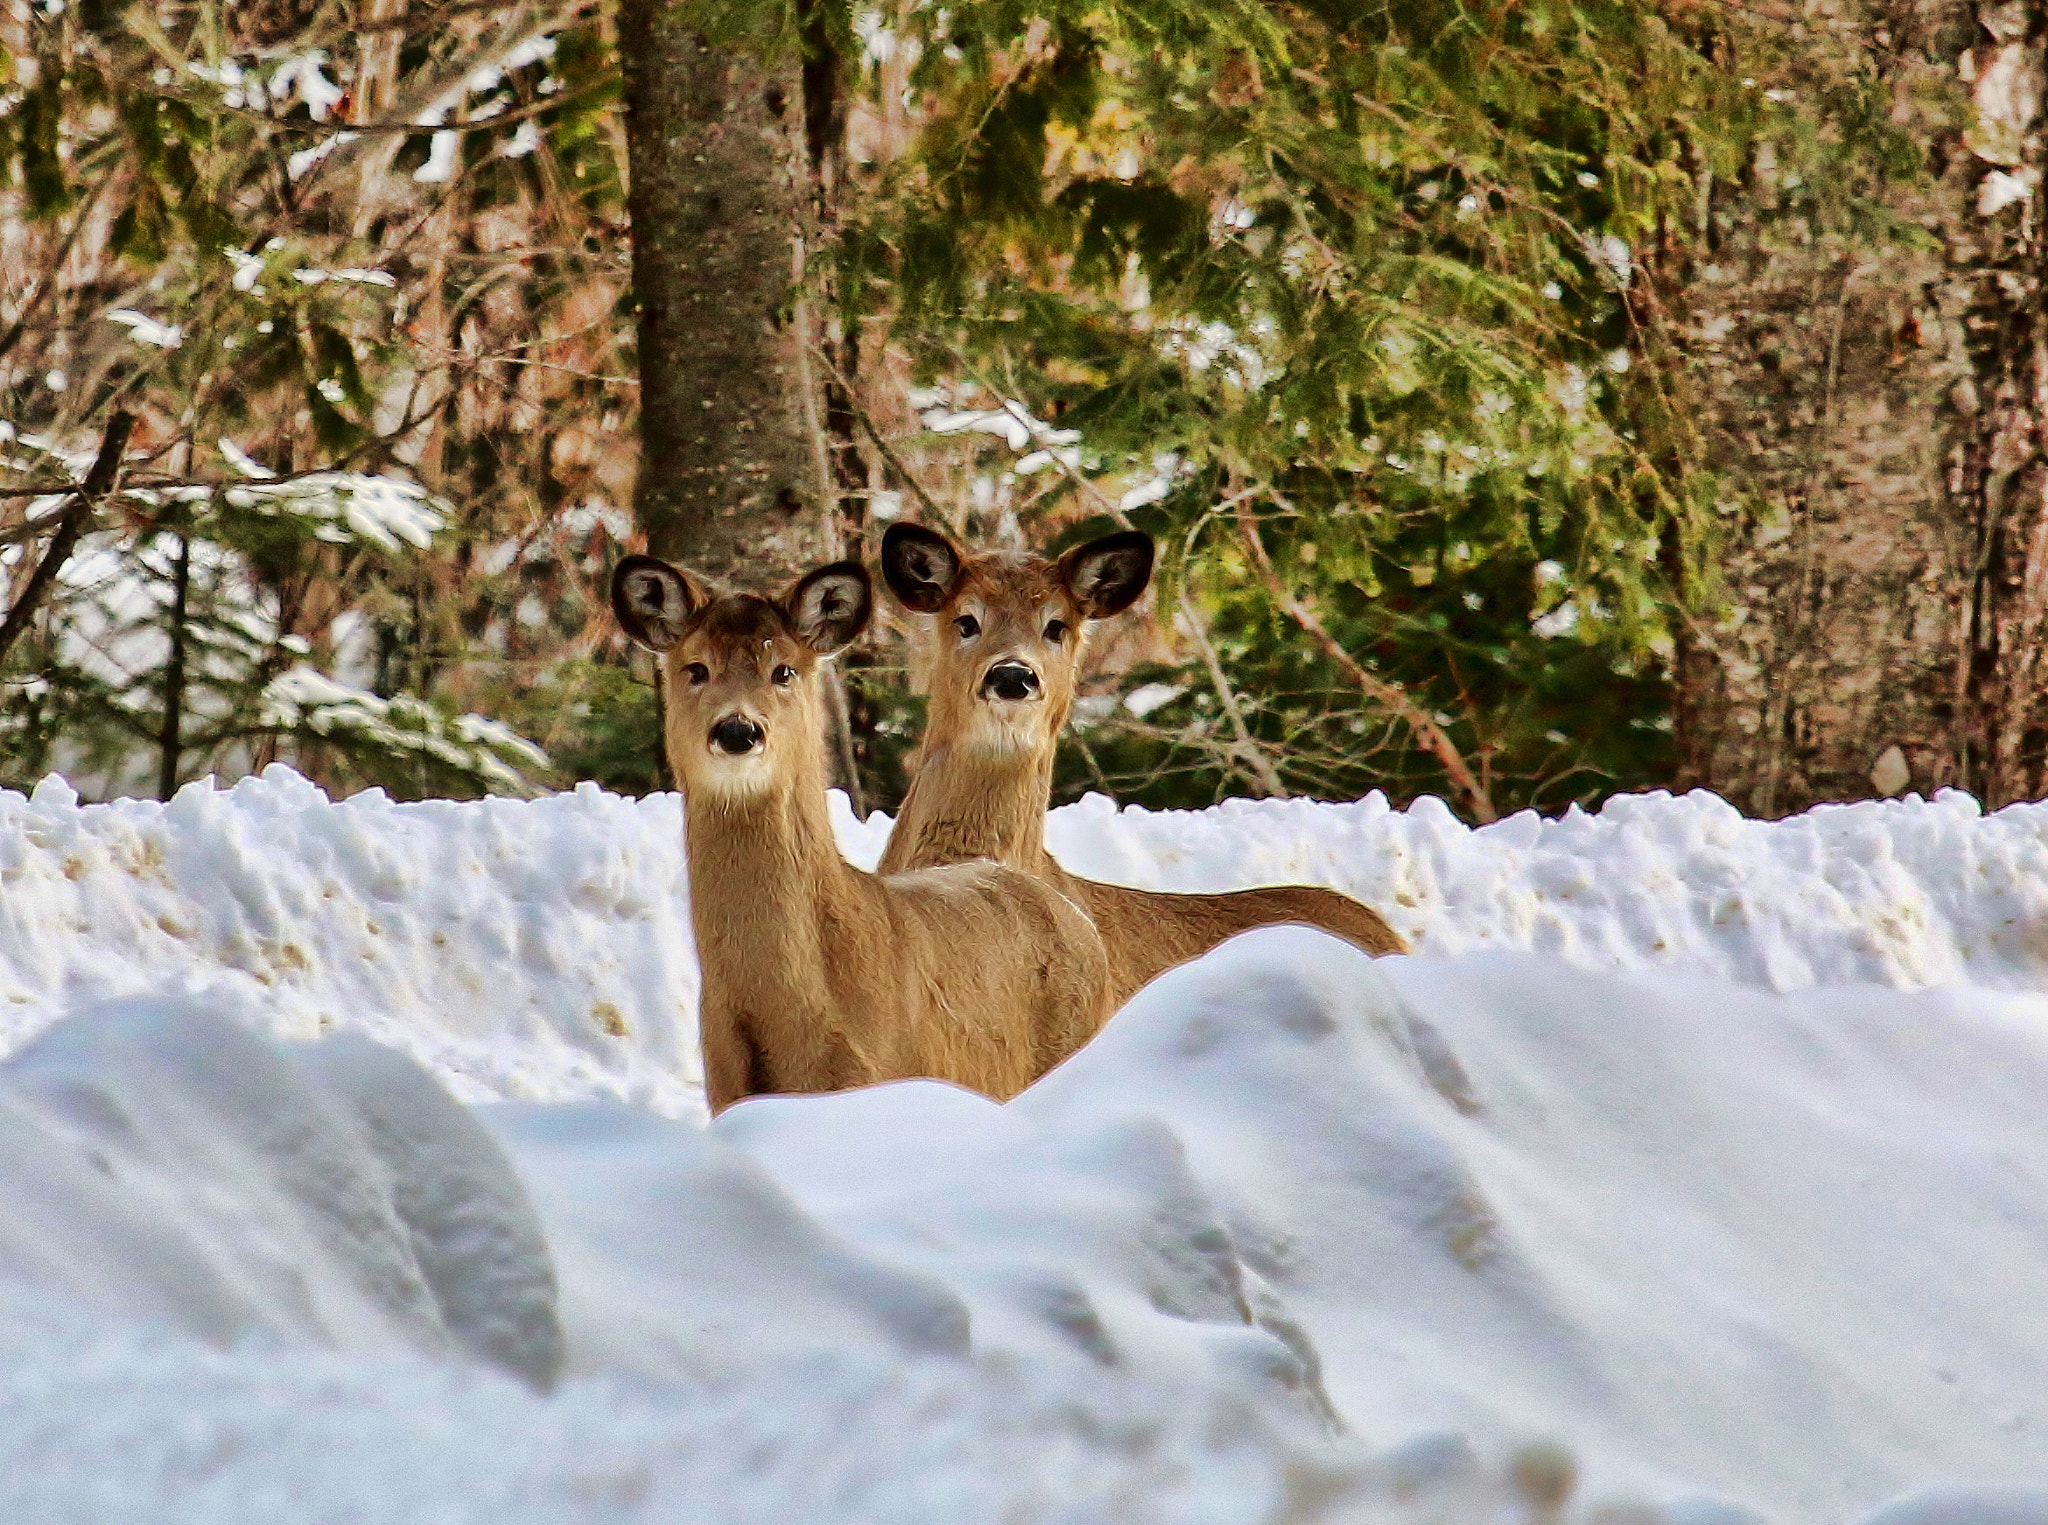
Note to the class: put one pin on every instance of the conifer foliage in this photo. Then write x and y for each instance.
(1345, 304)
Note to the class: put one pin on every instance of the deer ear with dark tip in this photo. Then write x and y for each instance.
(653, 600)
(1106, 576)
(921, 567)
(829, 607)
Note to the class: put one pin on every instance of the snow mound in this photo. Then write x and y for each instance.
(518, 949)
(1300, 1238)
(540, 950)
(165, 1165)
(1691, 1173)
(1907, 893)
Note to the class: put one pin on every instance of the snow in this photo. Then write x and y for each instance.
(304, 699)
(1690, 1170)
(146, 330)
(382, 510)
(1012, 422)
(313, 277)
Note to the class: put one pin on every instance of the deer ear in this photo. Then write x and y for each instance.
(921, 566)
(830, 606)
(1106, 576)
(653, 600)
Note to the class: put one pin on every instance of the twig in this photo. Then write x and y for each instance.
(838, 713)
(168, 744)
(1392, 695)
(98, 483)
(1247, 750)
(867, 424)
(458, 360)
(30, 529)
(419, 23)
(414, 129)
(47, 282)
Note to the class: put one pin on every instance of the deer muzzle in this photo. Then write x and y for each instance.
(1010, 679)
(736, 735)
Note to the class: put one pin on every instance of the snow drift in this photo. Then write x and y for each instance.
(1690, 1201)
(541, 949)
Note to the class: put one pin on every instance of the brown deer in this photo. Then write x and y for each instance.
(1007, 638)
(816, 975)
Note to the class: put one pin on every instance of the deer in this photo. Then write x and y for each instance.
(1007, 631)
(816, 975)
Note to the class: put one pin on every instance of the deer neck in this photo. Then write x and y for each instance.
(967, 803)
(767, 884)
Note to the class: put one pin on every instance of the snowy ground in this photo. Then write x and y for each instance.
(1693, 1166)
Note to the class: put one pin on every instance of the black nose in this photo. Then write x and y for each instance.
(1010, 680)
(736, 734)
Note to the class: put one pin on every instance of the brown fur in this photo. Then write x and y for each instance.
(984, 769)
(817, 976)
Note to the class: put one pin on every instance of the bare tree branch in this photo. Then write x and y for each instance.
(98, 483)
(1247, 750)
(1378, 689)
(867, 424)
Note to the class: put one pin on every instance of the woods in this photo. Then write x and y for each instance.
(1530, 402)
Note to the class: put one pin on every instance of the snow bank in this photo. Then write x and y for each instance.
(166, 1165)
(1907, 893)
(1300, 1238)
(1661, 1186)
(518, 949)
(541, 949)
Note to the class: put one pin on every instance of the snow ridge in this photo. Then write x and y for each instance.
(532, 950)
(1690, 1174)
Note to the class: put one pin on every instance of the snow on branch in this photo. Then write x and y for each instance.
(382, 510)
(306, 702)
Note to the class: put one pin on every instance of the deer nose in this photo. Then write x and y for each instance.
(736, 735)
(1010, 680)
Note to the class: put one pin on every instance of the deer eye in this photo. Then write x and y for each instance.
(968, 626)
(784, 675)
(1056, 631)
(698, 674)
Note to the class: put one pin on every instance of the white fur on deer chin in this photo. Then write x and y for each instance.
(722, 776)
(1004, 727)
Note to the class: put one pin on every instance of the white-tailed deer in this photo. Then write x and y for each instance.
(817, 976)
(1007, 641)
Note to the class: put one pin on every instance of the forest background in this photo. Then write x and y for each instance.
(1531, 400)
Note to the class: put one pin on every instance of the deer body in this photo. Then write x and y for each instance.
(1002, 683)
(817, 976)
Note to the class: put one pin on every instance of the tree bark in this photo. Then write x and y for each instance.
(733, 476)
(1997, 471)
(1876, 416)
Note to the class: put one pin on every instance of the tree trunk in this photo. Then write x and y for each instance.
(733, 470)
(1876, 415)
(170, 745)
(1998, 475)
(735, 161)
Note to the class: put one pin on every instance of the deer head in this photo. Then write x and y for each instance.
(1008, 628)
(739, 671)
